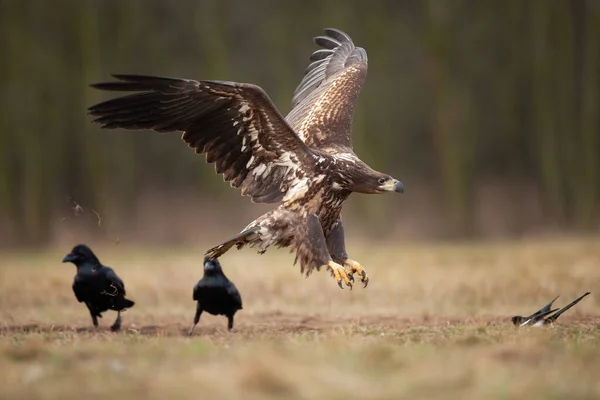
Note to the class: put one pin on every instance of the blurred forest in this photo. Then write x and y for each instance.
(488, 111)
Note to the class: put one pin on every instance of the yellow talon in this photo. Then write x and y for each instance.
(355, 267)
(341, 274)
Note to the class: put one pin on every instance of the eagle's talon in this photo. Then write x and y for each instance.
(365, 278)
(340, 274)
(355, 267)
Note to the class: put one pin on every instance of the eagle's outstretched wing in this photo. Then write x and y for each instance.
(323, 103)
(236, 125)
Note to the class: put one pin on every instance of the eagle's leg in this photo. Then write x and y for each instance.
(337, 249)
(312, 251)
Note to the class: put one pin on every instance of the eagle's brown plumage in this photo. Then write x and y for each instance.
(235, 125)
(304, 161)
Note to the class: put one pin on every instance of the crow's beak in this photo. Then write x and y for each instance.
(69, 258)
(209, 266)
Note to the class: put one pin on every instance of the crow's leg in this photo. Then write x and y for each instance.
(230, 322)
(94, 317)
(117, 325)
(196, 319)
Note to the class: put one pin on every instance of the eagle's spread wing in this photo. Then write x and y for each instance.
(236, 125)
(323, 104)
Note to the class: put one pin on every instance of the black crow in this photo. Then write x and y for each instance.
(97, 285)
(538, 318)
(216, 294)
(519, 320)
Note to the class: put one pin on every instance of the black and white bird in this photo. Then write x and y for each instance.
(97, 285)
(216, 294)
(538, 318)
(522, 321)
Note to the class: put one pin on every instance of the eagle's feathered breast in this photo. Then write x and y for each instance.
(325, 192)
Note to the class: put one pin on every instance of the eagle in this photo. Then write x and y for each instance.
(305, 161)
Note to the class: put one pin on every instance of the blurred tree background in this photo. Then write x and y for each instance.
(489, 111)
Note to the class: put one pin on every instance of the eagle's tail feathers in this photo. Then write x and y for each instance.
(240, 240)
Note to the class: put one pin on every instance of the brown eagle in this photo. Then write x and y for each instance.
(304, 161)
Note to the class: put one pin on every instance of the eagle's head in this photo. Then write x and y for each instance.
(386, 183)
(369, 181)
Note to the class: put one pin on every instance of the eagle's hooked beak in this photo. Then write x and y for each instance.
(393, 185)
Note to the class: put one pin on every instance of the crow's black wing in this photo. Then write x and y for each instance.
(114, 284)
(79, 291)
(197, 289)
(234, 294)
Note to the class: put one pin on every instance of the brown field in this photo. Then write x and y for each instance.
(433, 323)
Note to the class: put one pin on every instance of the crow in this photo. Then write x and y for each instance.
(97, 286)
(537, 319)
(216, 294)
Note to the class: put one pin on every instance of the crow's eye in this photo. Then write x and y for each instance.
(381, 181)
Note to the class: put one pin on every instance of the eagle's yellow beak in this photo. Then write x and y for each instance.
(393, 185)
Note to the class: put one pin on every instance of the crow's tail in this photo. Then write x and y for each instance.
(128, 303)
(123, 304)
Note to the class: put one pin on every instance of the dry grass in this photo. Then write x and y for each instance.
(434, 323)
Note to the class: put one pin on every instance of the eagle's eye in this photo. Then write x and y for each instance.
(381, 181)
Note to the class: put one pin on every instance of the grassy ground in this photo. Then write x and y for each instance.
(433, 323)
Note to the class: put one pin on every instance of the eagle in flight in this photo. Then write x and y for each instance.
(304, 161)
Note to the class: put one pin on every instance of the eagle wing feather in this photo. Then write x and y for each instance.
(235, 125)
(323, 103)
